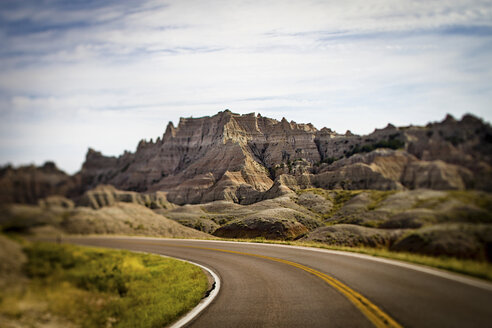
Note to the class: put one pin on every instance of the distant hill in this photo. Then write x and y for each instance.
(28, 184)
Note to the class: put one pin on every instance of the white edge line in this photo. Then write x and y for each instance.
(475, 282)
(203, 303)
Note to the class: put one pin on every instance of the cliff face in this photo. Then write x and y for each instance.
(246, 158)
(226, 156)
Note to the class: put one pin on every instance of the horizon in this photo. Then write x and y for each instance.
(106, 75)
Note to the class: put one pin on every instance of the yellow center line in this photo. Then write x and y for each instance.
(377, 316)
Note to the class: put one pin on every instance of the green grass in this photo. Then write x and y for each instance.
(431, 203)
(340, 197)
(477, 198)
(106, 288)
(480, 199)
(337, 197)
(317, 191)
(478, 269)
(377, 197)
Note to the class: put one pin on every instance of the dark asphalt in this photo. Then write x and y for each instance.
(258, 292)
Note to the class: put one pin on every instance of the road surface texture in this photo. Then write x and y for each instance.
(277, 286)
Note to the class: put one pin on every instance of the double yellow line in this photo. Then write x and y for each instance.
(377, 316)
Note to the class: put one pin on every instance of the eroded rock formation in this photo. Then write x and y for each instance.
(248, 158)
(28, 184)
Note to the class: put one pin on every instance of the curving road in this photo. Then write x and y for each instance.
(278, 286)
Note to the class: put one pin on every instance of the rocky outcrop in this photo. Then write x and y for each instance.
(125, 219)
(56, 202)
(462, 240)
(436, 175)
(386, 169)
(270, 227)
(104, 195)
(190, 162)
(28, 184)
(466, 143)
(353, 236)
(381, 169)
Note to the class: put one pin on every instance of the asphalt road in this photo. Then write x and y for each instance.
(272, 286)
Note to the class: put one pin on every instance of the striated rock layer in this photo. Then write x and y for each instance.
(226, 156)
(248, 158)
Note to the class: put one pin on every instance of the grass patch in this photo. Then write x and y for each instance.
(477, 198)
(430, 203)
(377, 197)
(340, 197)
(337, 197)
(93, 287)
(317, 191)
(478, 269)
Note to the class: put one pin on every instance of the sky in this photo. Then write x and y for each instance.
(106, 74)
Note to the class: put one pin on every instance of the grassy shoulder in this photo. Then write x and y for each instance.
(91, 287)
(478, 269)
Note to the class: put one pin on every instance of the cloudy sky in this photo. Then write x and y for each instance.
(106, 74)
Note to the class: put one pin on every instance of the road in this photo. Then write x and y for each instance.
(276, 286)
